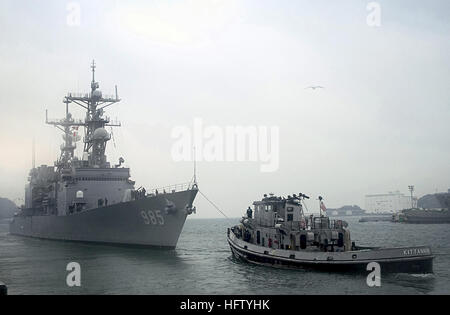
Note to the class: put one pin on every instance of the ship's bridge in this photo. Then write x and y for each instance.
(99, 186)
(272, 210)
(102, 174)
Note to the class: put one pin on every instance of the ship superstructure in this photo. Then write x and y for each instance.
(87, 198)
(46, 194)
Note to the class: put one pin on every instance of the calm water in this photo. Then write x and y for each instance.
(202, 264)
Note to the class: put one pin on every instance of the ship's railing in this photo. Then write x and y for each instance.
(325, 223)
(79, 95)
(65, 122)
(316, 224)
(173, 188)
(112, 122)
(109, 97)
(105, 97)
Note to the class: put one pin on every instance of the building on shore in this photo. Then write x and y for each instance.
(391, 202)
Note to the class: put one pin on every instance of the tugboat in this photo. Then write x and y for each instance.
(277, 233)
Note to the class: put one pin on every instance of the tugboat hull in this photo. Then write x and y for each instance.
(414, 260)
(147, 222)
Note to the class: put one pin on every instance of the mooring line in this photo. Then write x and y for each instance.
(212, 203)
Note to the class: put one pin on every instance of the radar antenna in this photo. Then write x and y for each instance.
(96, 136)
(195, 167)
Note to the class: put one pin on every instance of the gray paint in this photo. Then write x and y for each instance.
(121, 223)
(87, 199)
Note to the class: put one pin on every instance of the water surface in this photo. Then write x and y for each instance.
(202, 264)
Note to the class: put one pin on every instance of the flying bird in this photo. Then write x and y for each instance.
(315, 87)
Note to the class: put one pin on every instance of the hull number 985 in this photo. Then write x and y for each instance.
(152, 217)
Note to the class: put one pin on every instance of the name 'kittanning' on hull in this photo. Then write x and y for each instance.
(87, 199)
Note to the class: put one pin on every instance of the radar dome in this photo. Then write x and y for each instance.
(97, 94)
(100, 134)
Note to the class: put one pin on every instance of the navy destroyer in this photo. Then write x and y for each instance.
(88, 199)
(277, 233)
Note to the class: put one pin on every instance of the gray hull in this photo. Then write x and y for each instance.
(426, 216)
(416, 260)
(154, 221)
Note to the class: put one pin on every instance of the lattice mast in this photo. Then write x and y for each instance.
(95, 135)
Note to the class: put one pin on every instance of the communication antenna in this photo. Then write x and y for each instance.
(33, 158)
(195, 166)
(306, 207)
(113, 139)
(320, 204)
(411, 189)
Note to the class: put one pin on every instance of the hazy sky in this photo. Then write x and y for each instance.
(380, 124)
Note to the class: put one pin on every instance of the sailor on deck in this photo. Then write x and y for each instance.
(249, 213)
